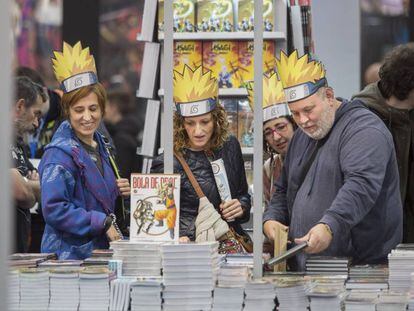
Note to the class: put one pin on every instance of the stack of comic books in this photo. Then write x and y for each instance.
(368, 277)
(233, 275)
(64, 288)
(327, 265)
(359, 300)
(190, 274)
(139, 258)
(392, 301)
(260, 295)
(94, 289)
(13, 290)
(327, 293)
(291, 293)
(401, 265)
(120, 294)
(411, 294)
(146, 294)
(34, 289)
(228, 298)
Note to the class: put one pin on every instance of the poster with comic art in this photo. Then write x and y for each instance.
(155, 207)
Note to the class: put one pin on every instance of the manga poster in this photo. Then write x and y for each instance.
(155, 207)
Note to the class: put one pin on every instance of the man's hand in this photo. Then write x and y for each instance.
(22, 192)
(319, 238)
(231, 209)
(270, 226)
(33, 175)
(124, 187)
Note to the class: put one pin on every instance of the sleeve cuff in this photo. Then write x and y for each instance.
(332, 223)
(97, 223)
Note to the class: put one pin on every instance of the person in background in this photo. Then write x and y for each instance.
(392, 99)
(79, 185)
(26, 111)
(201, 136)
(122, 125)
(339, 188)
(278, 129)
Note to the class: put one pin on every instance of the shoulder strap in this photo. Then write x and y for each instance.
(190, 174)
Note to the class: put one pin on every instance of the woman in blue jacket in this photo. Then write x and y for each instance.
(78, 184)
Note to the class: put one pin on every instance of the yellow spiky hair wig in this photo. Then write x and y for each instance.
(274, 101)
(74, 67)
(300, 76)
(195, 91)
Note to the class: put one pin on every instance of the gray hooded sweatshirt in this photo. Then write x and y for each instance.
(352, 185)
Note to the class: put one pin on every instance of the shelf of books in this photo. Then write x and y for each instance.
(234, 35)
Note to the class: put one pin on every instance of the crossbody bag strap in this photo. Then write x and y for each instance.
(190, 174)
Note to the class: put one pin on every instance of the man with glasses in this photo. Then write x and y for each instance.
(339, 187)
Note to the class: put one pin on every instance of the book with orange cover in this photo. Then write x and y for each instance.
(187, 53)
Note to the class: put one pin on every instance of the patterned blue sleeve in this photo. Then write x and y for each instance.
(59, 209)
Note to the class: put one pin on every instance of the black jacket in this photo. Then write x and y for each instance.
(125, 138)
(201, 168)
(400, 122)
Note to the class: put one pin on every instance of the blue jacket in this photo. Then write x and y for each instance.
(76, 198)
(352, 185)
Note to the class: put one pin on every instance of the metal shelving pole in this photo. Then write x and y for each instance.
(5, 130)
(167, 124)
(258, 141)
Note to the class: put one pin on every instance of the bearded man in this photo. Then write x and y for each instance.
(339, 188)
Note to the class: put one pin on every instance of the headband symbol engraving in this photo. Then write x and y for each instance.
(292, 94)
(194, 109)
(215, 167)
(78, 81)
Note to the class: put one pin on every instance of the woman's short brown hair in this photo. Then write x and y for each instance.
(220, 132)
(71, 98)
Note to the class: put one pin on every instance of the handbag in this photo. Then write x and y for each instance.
(217, 229)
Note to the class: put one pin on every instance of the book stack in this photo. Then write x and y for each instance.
(34, 289)
(401, 265)
(120, 294)
(146, 294)
(139, 258)
(30, 260)
(64, 289)
(327, 265)
(326, 293)
(368, 277)
(392, 301)
(291, 293)
(411, 295)
(359, 300)
(64, 265)
(228, 298)
(190, 274)
(94, 289)
(260, 295)
(233, 275)
(245, 259)
(14, 290)
(99, 257)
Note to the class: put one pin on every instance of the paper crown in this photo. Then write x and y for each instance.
(195, 91)
(274, 100)
(74, 67)
(300, 77)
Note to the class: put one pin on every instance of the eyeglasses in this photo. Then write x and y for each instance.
(279, 128)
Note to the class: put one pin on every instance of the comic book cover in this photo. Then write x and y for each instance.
(216, 15)
(188, 53)
(221, 57)
(184, 16)
(161, 15)
(155, 207)
(231, 107)
(245, 124)
(246, 63)
(245, 21)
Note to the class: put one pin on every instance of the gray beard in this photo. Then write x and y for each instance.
(324, 124)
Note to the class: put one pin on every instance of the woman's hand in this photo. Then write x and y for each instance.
(124, 187)
(231, 209)
(184, 239)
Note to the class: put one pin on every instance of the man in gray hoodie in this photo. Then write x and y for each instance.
(339, 188)
(392, 99)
